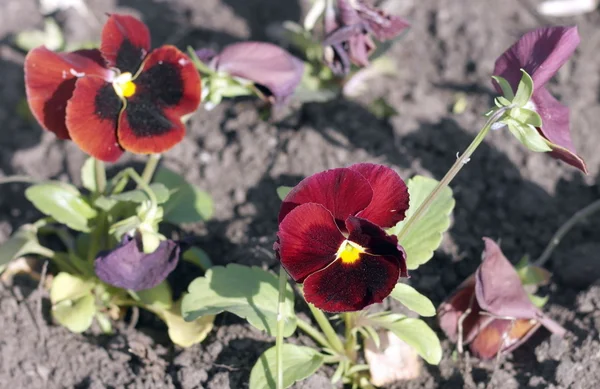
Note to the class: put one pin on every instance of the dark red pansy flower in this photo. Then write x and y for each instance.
(128, 267)
(331, 236)
(121, 97)
(502, 316)
(349, 33)
(541, 53)
(265, 64)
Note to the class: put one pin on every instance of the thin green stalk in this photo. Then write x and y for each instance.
(280, 328)
(313, 333)
(19, 179)
(150, 168)
(458, 165)
(100, 175)
(141, 184)
(323, 322)
(565, 228)
(61, 262)
(349, 322)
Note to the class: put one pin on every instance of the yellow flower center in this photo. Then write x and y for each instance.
(349, 252)
(123, 85)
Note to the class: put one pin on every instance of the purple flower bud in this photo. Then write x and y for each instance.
(128, 267)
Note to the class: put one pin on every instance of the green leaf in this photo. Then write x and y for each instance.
(283, 191)
(425, 235)
(22, 242)
(249, 292)
(538, 301)
(526, 116)
(299, 362)
(198, 257)
(51, 37)
(534, 275)
(524, 90)
(507, 91)
(160, 297)
(187, 203)
(139, 196)
(186, 333)
(88, 175)
(528, 135)
(104, 323)
(67, 286)
(76, 315)
(63, 202)
(413, 300)
(416, 333)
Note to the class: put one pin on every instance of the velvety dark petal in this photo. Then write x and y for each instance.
(263, 63)
(376, 241)
(390, 195)
(498, 288)
(502, 336)
(381, 24)
(343, 287)
(92, 115)
(125, 42)
(556, 128)
(128, 267)
(343, 192)
(167, 88)
(308, 240)
(540, 52)
(50, 80)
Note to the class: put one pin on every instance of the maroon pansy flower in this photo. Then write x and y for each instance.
(128, 267)
(349, 33)
(267, 65)
(121, 97)
(502, 316)
(541, 53)
(331, 236)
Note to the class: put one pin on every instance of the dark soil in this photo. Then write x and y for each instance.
(505, 192)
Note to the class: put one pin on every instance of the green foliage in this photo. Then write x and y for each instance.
(22, 242)
(413, 300)
(138, 196)
(198, 257)
(538, 301)
(73, 302)
(299, 362)
(283, 191)
(524, 90)
(425, 236)
(249, 292)
(187, 204)
(88, 174)
(531, 274)
(67, 286)
(51, 37)
(63, 202)
(528, 135)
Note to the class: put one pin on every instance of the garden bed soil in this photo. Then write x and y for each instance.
(505, 192)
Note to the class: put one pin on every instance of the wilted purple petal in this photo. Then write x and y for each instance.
(555, 128)
(128, 267)
(263, 63)
(381, 24)
(348, 15)
(540, 52)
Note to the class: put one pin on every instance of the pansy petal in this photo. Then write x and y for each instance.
(343, 192)
(502, 336)
(50, 80)
(381, 24)
(167, 88)
(376, 241)
(92, 115)
(343, 287)
(556, 128)
(498, 288)
(129, 268)
(265, 64)
(125, 42)
(540, 52)
(308, 240)
(390, 195)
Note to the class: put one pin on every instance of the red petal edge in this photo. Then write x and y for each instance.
(50, 80)
(125, 42)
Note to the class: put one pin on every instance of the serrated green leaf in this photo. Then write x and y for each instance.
(283, 191)
(524, 90)
(425, 236)
(528, 136)
(63, 202)
(507, 91)
(417, 334)
(22, 242)
(67, 286)
(76, 315)
(139, 196)
(187, 203)
(299, 362)
(249, 292)
(413, 300)
(160, 297)
(88, 175)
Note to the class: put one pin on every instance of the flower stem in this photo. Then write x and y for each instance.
(280, 328)
(19, 179)
(458, 165)
(565, 228)
(332, 337)
(313, 333)
(142, 184)
(100, 175)
(150, 168)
